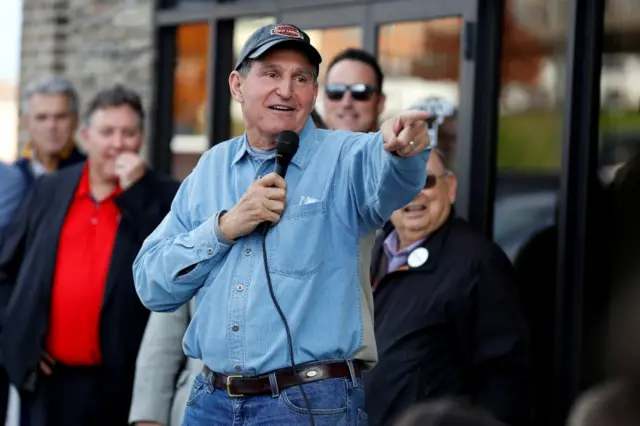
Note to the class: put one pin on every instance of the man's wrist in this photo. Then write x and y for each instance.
(222, 231)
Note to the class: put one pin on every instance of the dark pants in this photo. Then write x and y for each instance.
(71, 396)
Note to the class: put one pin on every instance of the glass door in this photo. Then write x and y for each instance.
(425, 51)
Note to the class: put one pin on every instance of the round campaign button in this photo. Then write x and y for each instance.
(418, 257)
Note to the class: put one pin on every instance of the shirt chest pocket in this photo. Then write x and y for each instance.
(296, 245)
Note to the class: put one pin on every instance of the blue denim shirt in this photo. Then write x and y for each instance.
(340, 186)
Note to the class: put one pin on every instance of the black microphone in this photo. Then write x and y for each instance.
(286, 147)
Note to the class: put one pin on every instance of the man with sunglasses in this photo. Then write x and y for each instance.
(448, 320)
(353, 98)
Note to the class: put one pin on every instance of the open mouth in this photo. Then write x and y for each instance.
(282, 108)
(351, 117)
(414, 208)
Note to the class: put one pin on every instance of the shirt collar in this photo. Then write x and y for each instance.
(37, 168)
(29, 150)
(391, 245)
(84, 188)
(433, 242)
(299, 159)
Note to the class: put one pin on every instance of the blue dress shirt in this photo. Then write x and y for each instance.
(12, 191)
(340, 186)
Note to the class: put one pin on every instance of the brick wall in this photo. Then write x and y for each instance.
(96, 43)
(43, 37)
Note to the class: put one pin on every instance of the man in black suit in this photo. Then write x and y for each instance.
(73, 321)
(448, 318)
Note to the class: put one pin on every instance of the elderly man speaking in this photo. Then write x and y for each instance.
(282, 323)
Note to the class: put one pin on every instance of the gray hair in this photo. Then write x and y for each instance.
(245, 69)
(50, 85)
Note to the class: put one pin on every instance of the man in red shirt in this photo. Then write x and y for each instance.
(73, 324)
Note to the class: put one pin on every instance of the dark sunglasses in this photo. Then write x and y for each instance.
(359, 91)
(432, 180)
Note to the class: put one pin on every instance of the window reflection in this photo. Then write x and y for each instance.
(421, 64)
(529, 158)
(332, 41)
(529, 129)
(619, 159)
(189, 98)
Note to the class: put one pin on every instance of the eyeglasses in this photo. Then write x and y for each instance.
(359, 91)
(432, 180)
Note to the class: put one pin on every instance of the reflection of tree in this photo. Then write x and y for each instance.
(331, 41)
(190, 80)
(522, 52)
(431, 50)
(424, 49)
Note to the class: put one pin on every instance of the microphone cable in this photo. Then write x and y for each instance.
(294, 367)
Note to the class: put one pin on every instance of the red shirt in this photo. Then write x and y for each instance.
(84, 254)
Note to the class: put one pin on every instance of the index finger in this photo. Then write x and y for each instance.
(414, 115)
(273, 179)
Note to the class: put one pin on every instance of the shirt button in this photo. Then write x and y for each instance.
(94, 221)
(235, 327)
(210, 251)
(247, 252)
(238, 368)
(240, 287)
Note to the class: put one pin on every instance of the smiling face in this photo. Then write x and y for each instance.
(430, 208)
(346, 110)
(277, 94)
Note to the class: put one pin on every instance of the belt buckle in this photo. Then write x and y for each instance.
(233, 395)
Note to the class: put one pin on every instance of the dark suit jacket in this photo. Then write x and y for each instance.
(450, 327)
(73, 157)
(27, 265)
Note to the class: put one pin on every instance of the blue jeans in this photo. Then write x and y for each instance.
(334, 402)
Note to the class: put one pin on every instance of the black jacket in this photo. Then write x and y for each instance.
(27, 265)
(450, 327)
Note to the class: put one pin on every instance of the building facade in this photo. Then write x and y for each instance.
(95, 43)
(547, 140)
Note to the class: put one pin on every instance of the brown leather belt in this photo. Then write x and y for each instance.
(238, 386)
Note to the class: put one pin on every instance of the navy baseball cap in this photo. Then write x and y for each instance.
(269, 36)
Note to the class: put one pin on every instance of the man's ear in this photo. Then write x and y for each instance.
(76, 121)
(453, 187)
(315, 93)
(235, 85)
(382, 99)
(84, 135)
